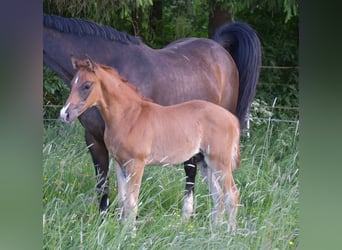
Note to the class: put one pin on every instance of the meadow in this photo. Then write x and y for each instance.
(267, 178)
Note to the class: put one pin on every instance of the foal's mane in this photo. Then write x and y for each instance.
(85, 27)
(124, 80)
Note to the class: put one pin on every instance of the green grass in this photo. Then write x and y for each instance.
(267, 179)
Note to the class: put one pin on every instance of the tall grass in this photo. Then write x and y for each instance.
(267, 179)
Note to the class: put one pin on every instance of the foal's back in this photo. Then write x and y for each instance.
(183, 130)
(197, 113)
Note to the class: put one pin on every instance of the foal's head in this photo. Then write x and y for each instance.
(85, 89)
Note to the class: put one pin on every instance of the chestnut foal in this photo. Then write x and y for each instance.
(141, 133)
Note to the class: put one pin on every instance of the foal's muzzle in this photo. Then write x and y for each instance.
(64, 113)
(68, 114)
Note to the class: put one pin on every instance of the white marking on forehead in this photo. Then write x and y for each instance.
(76, 80)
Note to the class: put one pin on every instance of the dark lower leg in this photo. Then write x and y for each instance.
(190, 171)
(100, 159)
(102, 188)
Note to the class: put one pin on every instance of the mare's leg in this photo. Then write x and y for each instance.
(94, 126)
(188, 205)
(100, 157)
(190, 172)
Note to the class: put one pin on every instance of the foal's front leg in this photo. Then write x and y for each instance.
(129, 181)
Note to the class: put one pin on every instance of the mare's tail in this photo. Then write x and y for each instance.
(241, 41)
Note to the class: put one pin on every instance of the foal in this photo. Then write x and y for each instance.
(140, 133)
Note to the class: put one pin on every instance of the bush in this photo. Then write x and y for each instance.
(55, 92)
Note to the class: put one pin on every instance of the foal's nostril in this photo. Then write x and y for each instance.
(66, 117)
(64, 114)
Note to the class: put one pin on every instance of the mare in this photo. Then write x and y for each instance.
(223, 70)
(141, 133)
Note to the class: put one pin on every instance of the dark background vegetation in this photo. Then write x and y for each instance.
(159, 22)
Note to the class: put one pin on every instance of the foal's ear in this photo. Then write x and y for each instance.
(90, 63)
(73, 61)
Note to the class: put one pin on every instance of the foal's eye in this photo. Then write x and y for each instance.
(87, 86)
(85, 90)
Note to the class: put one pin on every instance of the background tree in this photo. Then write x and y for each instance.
(220, 12)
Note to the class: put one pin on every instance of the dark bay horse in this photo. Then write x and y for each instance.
(139, 133)
(224, 71)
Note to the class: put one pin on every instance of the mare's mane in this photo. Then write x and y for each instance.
(85, 27)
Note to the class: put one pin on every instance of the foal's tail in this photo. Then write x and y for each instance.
(242, 42)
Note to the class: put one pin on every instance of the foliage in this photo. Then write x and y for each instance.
(55, 92)
(267, 179)
(103, 11)
(180, 19)
(288, 7)
(116, 13)
(279, 41)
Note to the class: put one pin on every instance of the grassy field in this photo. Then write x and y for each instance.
(267, 179)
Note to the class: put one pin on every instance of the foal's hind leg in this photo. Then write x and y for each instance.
(190, 171)
(231, 198)
(100, 157)
(223, 177)
(212, 177)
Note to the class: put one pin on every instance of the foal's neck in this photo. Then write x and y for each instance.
(120, 101)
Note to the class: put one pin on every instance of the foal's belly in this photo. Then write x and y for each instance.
(173, 155)
(169, 159)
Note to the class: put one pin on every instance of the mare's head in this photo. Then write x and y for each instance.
(85, 89)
